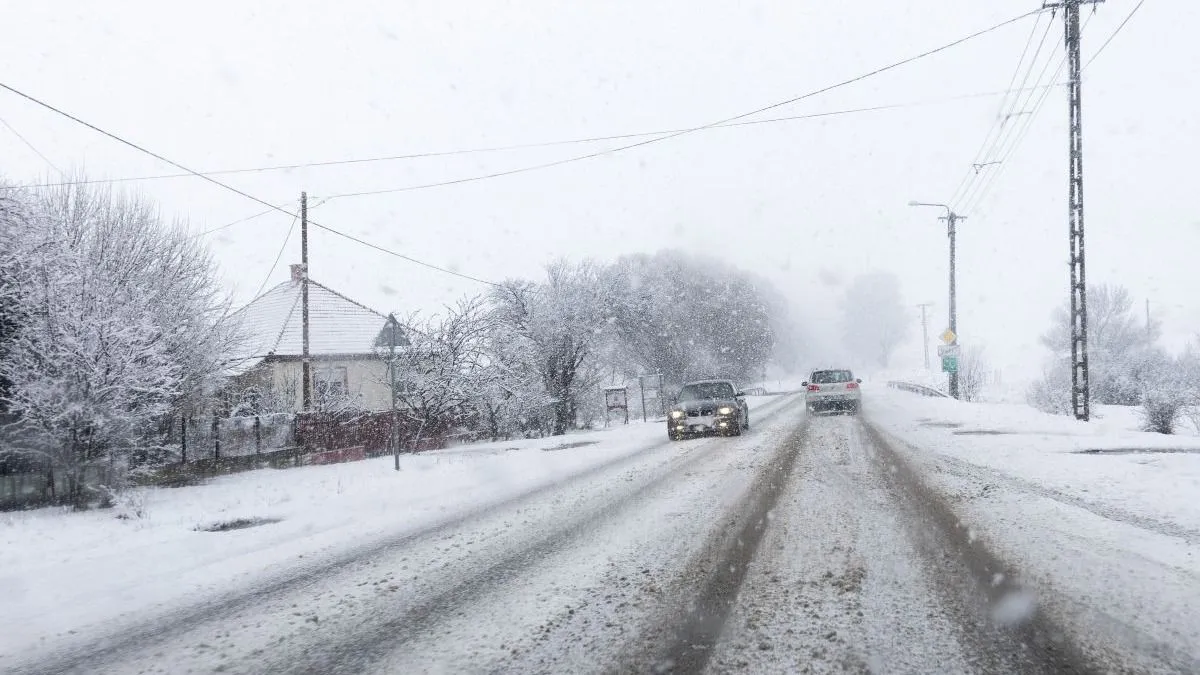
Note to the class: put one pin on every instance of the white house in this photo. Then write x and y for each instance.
(346, 340)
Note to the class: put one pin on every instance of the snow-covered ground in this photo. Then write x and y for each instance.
(63, 574)
(1102, 520)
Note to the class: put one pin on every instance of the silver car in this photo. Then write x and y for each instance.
(833, 390)
(708, 406)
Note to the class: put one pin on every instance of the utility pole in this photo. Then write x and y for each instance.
(925, 331)
(392, 440)
(306, 361)
(1080, 390)
(951, 219)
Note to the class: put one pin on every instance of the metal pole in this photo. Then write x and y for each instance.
(1080, 385)
(925, 331)
(306, 362)
(1080, 389)
(951, 217)
(642, 389)
(395, 442)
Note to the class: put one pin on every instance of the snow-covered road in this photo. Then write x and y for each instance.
(807, 545)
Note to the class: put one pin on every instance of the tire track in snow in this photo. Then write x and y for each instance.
(362, 650)
(115, 646)
(1004, 621)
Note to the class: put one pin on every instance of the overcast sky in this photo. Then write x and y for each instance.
(808, 203)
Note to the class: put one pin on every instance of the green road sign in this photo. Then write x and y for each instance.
(949, 364)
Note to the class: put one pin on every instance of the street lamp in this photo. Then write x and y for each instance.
(951, 218)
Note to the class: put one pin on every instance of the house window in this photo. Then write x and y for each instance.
(331, 381)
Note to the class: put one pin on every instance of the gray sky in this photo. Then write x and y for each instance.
(233, 84)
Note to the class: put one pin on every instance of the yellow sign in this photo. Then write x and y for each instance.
(949, 337)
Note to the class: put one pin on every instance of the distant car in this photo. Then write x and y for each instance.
(708, 406)
(833, 389)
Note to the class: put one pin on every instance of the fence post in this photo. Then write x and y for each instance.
(216, 433)
(257, 435)
(183, 439)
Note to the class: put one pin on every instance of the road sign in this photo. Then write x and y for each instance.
(948, 350)
(949, 337)
(949, 364)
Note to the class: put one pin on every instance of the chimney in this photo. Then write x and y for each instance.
(297, 273)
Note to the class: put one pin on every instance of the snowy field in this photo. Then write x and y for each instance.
(63, 572)
(1100, 517)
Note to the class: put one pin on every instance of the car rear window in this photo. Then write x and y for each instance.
(831, 376)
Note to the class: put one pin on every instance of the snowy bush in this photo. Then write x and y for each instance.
(1165, 391)
(1052, 393)
(972, 374)
(1161, 411)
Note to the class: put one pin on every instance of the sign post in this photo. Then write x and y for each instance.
(615, 398)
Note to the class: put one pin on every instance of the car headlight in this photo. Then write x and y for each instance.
(725, 410)
(676, 414)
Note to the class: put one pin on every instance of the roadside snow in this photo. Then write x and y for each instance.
(1101, 521)
(62, 573)
(1102, 463)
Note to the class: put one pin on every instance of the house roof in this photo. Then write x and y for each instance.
(273, 324)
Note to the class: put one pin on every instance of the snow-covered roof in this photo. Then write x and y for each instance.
(337, 325)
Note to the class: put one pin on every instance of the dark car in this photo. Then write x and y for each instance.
(708, 406)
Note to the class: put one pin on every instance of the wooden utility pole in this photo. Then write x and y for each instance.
(306, 361)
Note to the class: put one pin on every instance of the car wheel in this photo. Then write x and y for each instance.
(746, 423)
(736, 430)
(674, 436)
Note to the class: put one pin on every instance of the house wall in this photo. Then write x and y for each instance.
(366, 381)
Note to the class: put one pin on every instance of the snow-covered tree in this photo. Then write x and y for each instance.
(689, 317)
(875, 320)
(120, 321)
(1122, 353)
(560, 323)
(436, 371)
(1120, 345)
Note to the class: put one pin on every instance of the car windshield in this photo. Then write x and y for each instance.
(831, 376)
(599, 336)
(705, 390)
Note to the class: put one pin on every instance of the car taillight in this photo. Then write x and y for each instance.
(852, 385)
(813, 387)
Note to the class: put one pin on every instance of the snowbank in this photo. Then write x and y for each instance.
(1105, 461)
(62, 571)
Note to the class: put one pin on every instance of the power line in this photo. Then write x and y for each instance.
(541, 144)
(30, 146)
(630, 146)
(1114, 33)
(1000, 125)
(401, 255)
(282, 248)
(1026, 125)
(236, 222)
(1006, 144)
(711, 125)
(1000, 112)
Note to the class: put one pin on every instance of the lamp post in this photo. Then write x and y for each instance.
(951, 219)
